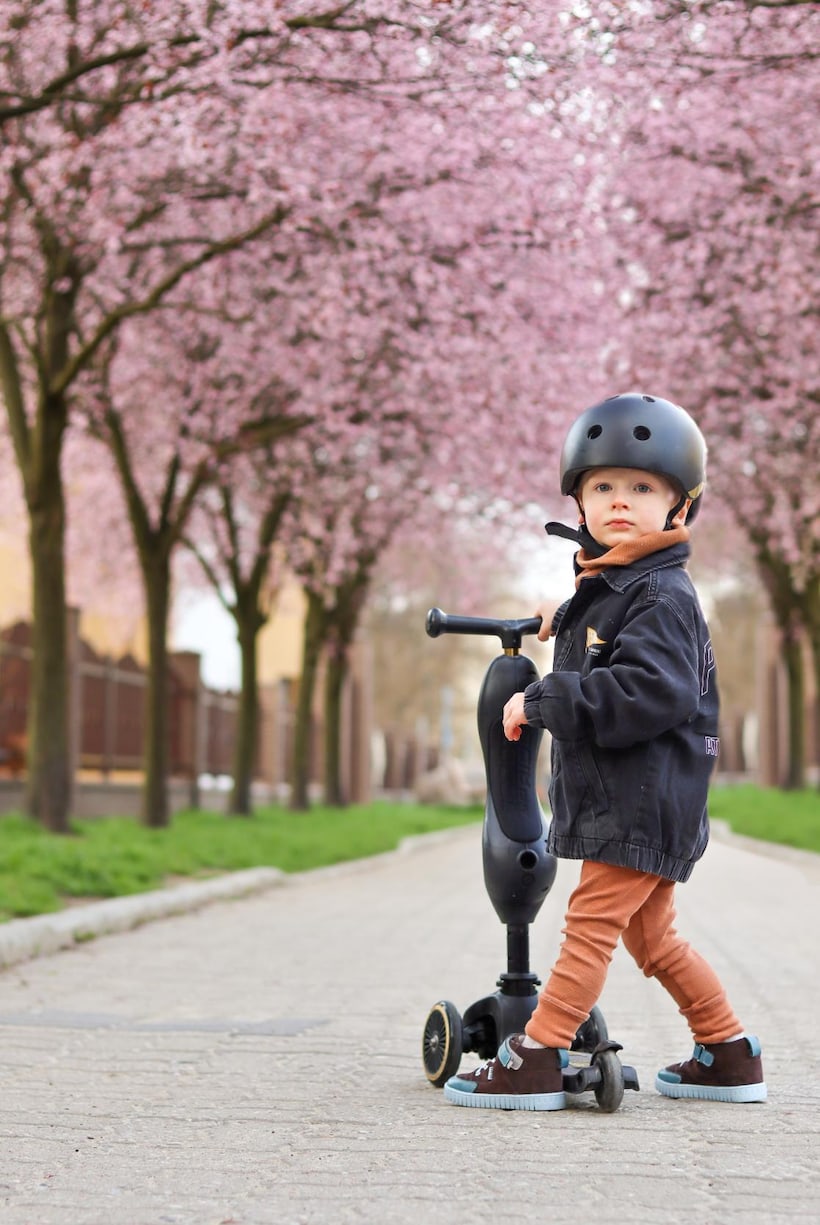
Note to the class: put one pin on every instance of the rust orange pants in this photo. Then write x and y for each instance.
(611, 903)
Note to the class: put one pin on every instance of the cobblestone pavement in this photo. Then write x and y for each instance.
(258, 1061)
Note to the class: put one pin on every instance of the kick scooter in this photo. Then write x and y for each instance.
(518, 875)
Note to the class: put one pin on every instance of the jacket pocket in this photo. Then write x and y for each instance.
(587, 779)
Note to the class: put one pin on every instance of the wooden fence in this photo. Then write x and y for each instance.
(108, 719)
(108, 709)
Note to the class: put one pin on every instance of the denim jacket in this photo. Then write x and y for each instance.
(632, 706)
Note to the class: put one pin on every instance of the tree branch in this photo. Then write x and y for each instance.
(56, 90)
(84, 355)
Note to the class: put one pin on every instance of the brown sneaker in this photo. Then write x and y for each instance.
(723, 1072)
(518, 1078)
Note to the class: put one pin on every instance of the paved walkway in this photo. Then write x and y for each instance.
(258, 1061)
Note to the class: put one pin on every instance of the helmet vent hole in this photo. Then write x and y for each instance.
(595, 431)
(642, 433)
(649, 399)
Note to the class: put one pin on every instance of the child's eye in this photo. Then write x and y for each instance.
(642, 488)
(602, 487)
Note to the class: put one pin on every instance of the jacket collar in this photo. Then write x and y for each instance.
(619, 578)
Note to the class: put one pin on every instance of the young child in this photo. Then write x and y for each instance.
(632, 707)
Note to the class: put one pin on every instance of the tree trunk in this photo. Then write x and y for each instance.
(796, 699)
(811, 619)
(156, 754)
(786, 605)
(815, 651)
(38, 445)
(315, 628)
(334, 688)
(48, 790)
(250, 615)
(350, 600)
(248, 716)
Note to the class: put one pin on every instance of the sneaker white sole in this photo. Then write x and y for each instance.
(506, 1101)
(713, 1093)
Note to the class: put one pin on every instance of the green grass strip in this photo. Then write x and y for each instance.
(115, 856)
(791, 818)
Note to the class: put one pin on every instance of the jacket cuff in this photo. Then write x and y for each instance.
(532, 704)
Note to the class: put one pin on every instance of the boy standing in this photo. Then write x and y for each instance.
(632, 708)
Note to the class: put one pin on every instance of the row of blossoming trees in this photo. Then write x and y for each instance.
(307, 280)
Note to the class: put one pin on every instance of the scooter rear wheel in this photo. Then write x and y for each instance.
(442, 1045)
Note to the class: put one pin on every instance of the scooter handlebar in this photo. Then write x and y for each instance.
(509, 631)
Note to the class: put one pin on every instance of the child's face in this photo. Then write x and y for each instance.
(621, 504)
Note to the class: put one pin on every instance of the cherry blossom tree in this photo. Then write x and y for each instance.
(436, 448)
(139, 144)
(397, 317)
(107, 207)
(412, 395)
(713, 211)
(396, 341)
(337, 535)
(181, 390)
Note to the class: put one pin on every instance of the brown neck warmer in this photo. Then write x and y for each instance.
(631, 550)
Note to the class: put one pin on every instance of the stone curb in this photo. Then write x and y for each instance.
(808, 861)
(24, 939)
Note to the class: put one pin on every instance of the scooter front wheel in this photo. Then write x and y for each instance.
(442, 1045)
(609, 1092)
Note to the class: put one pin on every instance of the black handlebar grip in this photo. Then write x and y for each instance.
(510, 632)
(436, 622)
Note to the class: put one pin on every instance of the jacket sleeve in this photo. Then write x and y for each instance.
(650, 684)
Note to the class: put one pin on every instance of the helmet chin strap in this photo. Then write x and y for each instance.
(580, 535)
(669, 525)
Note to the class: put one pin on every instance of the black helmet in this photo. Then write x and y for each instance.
(637, 431)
